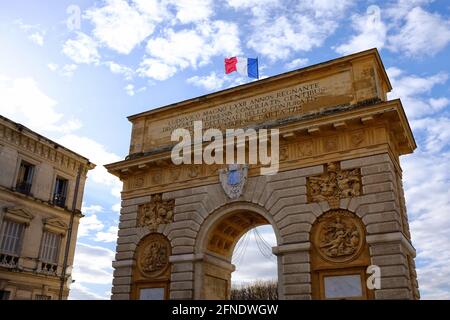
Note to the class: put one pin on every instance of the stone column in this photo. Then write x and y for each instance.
(294, 278)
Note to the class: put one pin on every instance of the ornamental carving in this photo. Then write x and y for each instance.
(153, 255)
(339, 236)
(155, 212)
(334, 185)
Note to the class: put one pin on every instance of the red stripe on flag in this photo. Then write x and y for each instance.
(230, 65)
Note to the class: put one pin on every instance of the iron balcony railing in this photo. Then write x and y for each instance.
(24, 187)
(59, 200)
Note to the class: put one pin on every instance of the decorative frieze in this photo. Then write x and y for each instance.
(155, 212)
(334, 185)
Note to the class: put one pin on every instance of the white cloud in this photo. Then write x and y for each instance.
(92, 264)
(66, 70)
(156, 69)
(120, 69)
(192, 10)
(178, 50)
(296, 63)
(89, 224)
(371, 32)
(427, 185)
(424, 33)
(82, 49)
(121, 25)
(109, 236)
(116, 207)
(411, 90)
(35, 32)
(97, 154)
(80, 292)
(23, 101)
(279, 30)
(37, 37)
(52, 66)
(210, 82)
(93, 208)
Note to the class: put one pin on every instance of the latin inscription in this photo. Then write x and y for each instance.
(259, 109)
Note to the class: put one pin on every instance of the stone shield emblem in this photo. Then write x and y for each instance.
(233, 180)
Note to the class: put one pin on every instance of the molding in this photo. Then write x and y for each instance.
(55, 225)
(19, 215)
(302, 246)
(392, 237)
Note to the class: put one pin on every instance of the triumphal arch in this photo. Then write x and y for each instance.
(335, 201)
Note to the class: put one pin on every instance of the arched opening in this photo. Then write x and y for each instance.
(256, 274)
(228, 232)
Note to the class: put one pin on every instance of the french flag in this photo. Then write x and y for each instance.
(244, 66)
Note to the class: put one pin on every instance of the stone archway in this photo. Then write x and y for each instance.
(340, 145)
(216, 241)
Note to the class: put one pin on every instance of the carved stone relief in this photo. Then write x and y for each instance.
(153, 255)
(338, 236)
(334, 185)
(155, 212)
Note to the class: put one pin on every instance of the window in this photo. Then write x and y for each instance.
(42, 297)
(151, 294)
(60, 192)
(50, 247)
(11, 237)
(4, 295)
(345, 286)
(25, 178)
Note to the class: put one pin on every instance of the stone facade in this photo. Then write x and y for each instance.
(37, 188)
(339, 157)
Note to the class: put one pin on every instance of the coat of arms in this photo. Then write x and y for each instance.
(233, 180)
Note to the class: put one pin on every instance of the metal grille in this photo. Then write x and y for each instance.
(50, 246)
(11, 236)
(42, 297)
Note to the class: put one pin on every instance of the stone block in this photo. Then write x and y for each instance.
(296, 268)
(297, 257)
(385, 227)
(297, 278)
(181, 285)
(121, 289)
(365, 161)
(297, 289)
(385, 294)
(378, 178)
(181, 295)
(182, 276)
(182, 267)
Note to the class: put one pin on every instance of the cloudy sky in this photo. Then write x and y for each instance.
(73, 70)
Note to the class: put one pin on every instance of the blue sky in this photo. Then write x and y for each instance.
(77, 82)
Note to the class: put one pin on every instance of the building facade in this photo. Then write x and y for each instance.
(336, 204)
(41, 191)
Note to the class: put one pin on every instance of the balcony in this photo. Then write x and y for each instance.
(8, 260)
(49, 268)
(59, 200)
(24, 187)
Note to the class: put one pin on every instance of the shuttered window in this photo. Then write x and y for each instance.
(50, 246)
(11, 237)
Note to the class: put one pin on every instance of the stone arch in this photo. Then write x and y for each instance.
(339, 254)
(215, 243)
(151, 268)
